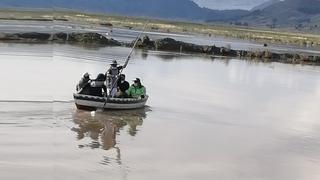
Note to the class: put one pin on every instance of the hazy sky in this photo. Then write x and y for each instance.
(229, 4)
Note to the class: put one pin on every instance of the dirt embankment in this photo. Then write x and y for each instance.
(166, 44)
(76, 38)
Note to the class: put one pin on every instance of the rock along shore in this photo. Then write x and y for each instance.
(166, 44)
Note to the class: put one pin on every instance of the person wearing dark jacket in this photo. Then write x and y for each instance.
(122, 86)
(97, 86)
(84, 84)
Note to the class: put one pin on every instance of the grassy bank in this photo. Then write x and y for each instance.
(261, 35)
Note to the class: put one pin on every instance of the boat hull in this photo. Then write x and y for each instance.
(86, 102)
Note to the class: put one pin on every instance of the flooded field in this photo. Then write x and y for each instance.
(126, 35)
(206, 118)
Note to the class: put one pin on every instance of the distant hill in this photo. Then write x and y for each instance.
(301, 14)
(168, 9)
(265, 5)
(287, 13)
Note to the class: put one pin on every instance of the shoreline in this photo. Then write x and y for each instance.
(165, 44)
(254, 34)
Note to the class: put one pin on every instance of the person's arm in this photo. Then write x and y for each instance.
(104, 87)
(143, 91)
(120, 67)
(128, 92)
(108, 72)
(127, 85)
(125, 64)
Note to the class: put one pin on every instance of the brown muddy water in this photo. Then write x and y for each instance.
(206, 119)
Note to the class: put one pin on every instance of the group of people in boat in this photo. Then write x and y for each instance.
(111, 84)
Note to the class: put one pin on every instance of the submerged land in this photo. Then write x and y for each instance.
(165, 44)
(262, 36)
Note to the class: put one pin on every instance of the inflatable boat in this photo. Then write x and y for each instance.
(86, 102)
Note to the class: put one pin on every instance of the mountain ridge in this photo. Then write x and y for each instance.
(274, 13)
(287, 13)
(168, 9)
(265, 5)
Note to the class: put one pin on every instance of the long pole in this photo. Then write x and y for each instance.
(134, 45)
(128, 57)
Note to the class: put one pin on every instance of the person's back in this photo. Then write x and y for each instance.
(98, 85)
(84, 84)
(124, 86)
(85, 89)
(136, 90)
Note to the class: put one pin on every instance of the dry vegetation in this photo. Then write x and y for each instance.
(279, 36)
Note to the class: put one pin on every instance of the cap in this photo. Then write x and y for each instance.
(114, 62)
(137, 80)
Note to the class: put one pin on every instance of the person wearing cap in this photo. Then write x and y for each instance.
(122, 86)
(83, 85)
(112, 76)
(136, 90)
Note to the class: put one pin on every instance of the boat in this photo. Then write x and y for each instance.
(89, 102)
(92, 103)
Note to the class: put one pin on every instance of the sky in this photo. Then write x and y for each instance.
(229, 4)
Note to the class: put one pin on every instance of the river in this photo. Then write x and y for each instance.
(206, 118)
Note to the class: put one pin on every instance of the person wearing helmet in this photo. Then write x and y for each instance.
(112, 77)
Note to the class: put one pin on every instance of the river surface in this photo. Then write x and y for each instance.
(206, 118)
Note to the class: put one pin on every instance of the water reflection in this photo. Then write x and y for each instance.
(102, 127)
(144, 54)
(165, 56)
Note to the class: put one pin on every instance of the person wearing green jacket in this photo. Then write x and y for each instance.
(136, 90)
